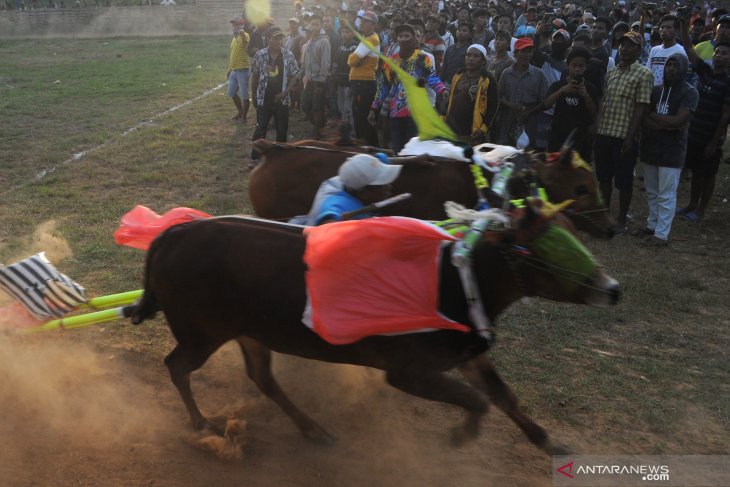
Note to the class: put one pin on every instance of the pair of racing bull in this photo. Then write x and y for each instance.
(243, 279)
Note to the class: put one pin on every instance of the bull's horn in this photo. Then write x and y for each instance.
(566, 149)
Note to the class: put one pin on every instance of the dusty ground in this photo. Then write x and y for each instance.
(77, 414)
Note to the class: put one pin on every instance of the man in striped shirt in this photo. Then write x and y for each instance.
(239, 69)
(708, 126)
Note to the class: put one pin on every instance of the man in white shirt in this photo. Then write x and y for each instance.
(504, 22)
(659, 54)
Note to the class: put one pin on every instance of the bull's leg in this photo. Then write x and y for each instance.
(181, 363)
(438, 387)
(481, 373)
(258, 367)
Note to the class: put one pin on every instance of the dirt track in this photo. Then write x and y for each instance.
(77, 413)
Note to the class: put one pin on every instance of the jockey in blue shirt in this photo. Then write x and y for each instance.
(361, 180)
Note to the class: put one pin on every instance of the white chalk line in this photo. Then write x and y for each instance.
(80, 155)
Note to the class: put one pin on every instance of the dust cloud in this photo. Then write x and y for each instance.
(62, 396)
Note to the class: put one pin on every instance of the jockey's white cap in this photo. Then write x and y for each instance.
(364, 170)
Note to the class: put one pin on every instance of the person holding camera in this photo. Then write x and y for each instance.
(576, 105)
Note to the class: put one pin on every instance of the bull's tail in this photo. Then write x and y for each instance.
(147, 307)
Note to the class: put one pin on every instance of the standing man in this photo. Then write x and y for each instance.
(625, 103)
(455, 56)
(708, 126)
(363, 64)
(522, 91)
(659, 54)
(599, 32)
(273, 73)
(482, 35)
(706, 49)
(317, 66)
(474, 98)
(416, 63)
(239, 69)
(342, 74)
(293, 42)
(434, 41)
(504, 24)
(663, 146)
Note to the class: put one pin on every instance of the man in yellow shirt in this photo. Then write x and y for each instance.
(363, 64)
(706, 49)
(239, 69)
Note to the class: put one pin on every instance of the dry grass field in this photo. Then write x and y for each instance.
(95, 406)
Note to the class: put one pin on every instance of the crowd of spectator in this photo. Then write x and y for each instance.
(642, 83)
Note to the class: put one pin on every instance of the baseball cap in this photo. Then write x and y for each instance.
(365, 170)
(369, 15)
(276, 32)
(583, 28)
(563, 33)
(524, 30)
(559, 24)
(405, 27)
(523, 43)
(238, 21)
(724, 18)
(294, 19)
(632, 36)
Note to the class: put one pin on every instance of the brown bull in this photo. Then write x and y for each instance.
(240, 279)
(284, 184)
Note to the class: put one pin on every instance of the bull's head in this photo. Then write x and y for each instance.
(566, 176)
(545, 259)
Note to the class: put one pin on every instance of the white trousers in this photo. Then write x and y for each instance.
(661, 191)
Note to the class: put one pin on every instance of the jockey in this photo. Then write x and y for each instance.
(361, 180)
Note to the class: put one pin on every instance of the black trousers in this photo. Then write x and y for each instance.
(264, 113)
(363, 94)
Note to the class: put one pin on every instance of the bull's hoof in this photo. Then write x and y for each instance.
(556, 448)
(318, 435)
(211, 426)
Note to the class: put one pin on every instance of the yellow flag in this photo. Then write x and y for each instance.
(430, 124)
